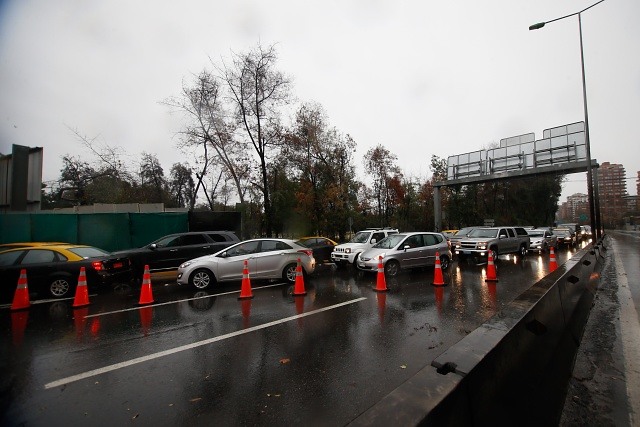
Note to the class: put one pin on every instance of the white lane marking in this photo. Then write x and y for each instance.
(173, 302)
(148, 357)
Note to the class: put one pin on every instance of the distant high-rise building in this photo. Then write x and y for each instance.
(612, 189)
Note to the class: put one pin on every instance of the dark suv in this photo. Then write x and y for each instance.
(168, 252)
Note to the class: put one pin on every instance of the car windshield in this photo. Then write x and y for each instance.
(361, 237)
(536, 233)
(389, 242)
(463, 231)
(88, 252)
(484, 232)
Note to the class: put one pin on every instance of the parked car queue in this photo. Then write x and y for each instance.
(204, 258)
(53, 272)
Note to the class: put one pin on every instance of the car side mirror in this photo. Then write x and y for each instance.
(374, 240)
(153, 246)
(407, 247)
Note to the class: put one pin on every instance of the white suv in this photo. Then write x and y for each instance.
(347, 253)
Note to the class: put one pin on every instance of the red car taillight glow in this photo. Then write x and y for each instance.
(309, 252)
(97, 265)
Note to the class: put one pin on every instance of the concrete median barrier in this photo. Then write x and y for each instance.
(512, 369)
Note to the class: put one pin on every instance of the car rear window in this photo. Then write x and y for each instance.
(216, 237)
(89, 252)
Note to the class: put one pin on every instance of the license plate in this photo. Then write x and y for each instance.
(466, 252)
(117, 265)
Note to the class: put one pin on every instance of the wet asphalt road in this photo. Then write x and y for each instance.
(197, 358)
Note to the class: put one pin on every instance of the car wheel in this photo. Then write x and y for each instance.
(355, 260)
(523, 251)
(289, 273)
(392, 268)
(444, 262)
(202, 279)
(494, 254)
(59, 287)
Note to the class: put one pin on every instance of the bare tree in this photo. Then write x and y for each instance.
(210, 128)
(258, 90)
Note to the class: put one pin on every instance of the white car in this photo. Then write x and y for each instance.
(266, 259)
(347, 253)
(541, 240)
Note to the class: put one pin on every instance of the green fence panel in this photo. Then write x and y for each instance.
(50, 227)
(15, 228)
(108, 231)
(147, 227)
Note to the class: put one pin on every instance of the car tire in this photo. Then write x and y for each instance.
(444, 262)
(494, 254)
(59, 287)
(355, 260)
(523, 251)
(202, 279)
(289, 273)
(391, 268)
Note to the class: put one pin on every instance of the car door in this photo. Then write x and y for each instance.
(272, 258)
(432, 245)
(230, 264)
(410, 251)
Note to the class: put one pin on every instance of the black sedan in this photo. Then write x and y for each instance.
(53, 270)
(321, 246)
(168, 252)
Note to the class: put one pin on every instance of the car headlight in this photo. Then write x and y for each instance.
(186, 264)
(347, 251)
(482, 245)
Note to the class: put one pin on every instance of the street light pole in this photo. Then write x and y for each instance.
(595, 223)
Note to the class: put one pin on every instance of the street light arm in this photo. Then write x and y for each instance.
(542, 24)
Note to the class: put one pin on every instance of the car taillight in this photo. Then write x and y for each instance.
(308, 252)
(97, 265)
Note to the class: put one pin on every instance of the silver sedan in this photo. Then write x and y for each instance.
(266, 259)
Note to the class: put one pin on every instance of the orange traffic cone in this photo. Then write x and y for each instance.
(381, 282)
(491, 269)
(82, 294)
(245, 289)
(21, 296)
(438, 280)
(298, 289)
(552, 260)
(146, 295)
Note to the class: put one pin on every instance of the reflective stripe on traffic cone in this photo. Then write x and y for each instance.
(381, 282)
(298, 289)
(491, 269)
(146, 295)
(82, 294)
(552, 260)
(245, 289)
(21, 296)
(438, 280)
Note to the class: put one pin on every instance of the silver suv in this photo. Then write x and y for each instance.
(405, 251)
(495, 240)
(347, 253)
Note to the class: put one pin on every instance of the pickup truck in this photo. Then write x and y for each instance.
(497, 240)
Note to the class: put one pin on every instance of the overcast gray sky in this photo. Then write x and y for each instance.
(419, 77)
